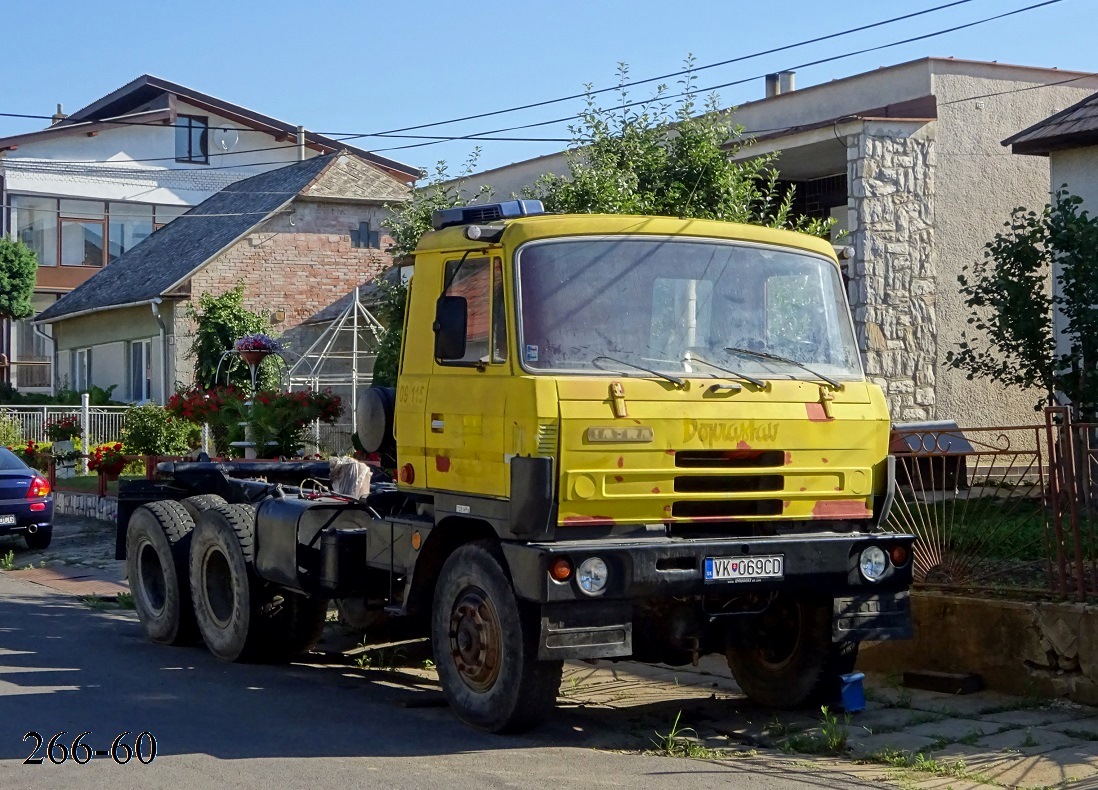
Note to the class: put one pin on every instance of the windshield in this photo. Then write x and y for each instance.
(696, 307)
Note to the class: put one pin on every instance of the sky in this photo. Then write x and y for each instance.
(370, 67)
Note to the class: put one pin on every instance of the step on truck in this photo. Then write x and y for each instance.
(612, 437)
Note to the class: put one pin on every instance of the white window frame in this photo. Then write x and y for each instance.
(81, 368)
(134, 350)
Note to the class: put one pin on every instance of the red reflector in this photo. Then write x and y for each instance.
(38, 507)
(39, 487)
(898, 555)
(561, 569)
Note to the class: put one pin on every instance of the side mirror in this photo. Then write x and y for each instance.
(450, 324)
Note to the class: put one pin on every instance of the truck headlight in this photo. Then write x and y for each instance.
(592, 575)
(873, 563)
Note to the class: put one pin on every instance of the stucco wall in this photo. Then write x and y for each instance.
(978, 183)
(1078, 169)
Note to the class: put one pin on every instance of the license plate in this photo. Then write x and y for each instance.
(7, 520)
(744, 569)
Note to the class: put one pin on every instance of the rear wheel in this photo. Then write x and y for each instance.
(199, 503)
(40, 540)
(240, 617)
(486, 647)
(784, 657)
(157, 546)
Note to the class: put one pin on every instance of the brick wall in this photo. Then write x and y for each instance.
(298, 268)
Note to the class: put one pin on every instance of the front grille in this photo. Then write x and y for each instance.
(475, 214)
(729, 459)
(547, 438)
(725, 508)
(717, 484)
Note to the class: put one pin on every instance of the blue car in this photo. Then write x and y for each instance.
(26, 502)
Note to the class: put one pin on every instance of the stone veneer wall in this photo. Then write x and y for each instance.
(893, 278)
(104, 508)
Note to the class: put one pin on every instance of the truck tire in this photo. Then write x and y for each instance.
(784, 657)
(240, 617)
(197, 504)
(224, 586)
(486, 647)
(157, 548)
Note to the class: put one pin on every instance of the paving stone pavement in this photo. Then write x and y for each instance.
(917, 739)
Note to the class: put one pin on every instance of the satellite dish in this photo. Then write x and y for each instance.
(225, 139)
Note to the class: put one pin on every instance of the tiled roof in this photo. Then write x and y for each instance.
(172, 253)
(1071, 128)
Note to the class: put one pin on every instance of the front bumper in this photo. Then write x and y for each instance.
(820, 565)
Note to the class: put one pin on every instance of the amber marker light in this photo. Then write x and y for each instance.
(561, 569)
(407, 474)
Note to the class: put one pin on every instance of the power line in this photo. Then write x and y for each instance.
(808, 64)
(740, 59)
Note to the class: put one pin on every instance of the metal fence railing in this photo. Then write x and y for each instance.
(104, 423)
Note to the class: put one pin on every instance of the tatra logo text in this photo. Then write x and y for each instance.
(731, 433)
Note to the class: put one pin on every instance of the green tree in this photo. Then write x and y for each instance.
(669, 162)
(18, 272)
(152, 430)
(1011, 306)
(219, 322)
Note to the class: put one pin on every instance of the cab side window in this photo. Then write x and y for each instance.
(471, 279)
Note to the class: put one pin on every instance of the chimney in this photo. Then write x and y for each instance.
(58, 116)
(779, 83)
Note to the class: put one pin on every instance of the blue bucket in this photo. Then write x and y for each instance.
(853, 695)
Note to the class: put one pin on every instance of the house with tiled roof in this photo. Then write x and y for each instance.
(298, 237)
(93, 184)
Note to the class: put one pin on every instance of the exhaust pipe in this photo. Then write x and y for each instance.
(32, 529)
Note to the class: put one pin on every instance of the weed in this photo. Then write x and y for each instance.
(780, 729)
(428, 664)
(29, 566)
(384, 658)
(896, 758)
(940, 741)
(923, 717)
(676, 743)
(831, 737)
(7, 562)
(970, 738)
(124, 600)
(903, 699)
(95, 602)
(1082, 735)
(1029, 740)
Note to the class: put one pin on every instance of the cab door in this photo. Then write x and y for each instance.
(464, 418)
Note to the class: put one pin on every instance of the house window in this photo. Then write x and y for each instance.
(32, 358)
(83, 232)
(192, 138)
(81, 369)
(72, 231)
(35, 224)
(364, 238)
(140, 354)
(128, 224)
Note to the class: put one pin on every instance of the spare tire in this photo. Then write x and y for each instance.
(374, 420)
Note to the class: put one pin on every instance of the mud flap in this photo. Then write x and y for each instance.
(603, 630)
(872, 618)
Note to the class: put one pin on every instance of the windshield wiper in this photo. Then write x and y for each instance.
(832, 383)
(665, 376)
(692, 357)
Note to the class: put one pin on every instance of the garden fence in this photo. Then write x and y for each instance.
(103, 423)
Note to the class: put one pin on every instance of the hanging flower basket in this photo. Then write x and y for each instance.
(253, 348)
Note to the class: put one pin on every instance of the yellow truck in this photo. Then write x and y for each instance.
(613, 437)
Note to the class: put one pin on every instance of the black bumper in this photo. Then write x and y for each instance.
(822, 565)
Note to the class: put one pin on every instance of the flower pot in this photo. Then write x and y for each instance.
(254, 356)
(111, 474)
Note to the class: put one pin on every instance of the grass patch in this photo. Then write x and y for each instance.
(89, 484)
(970, 738)
(124, 600)
(1082, 735)
(920, 763)
(830, 738)
(682, 742)
(96, 603)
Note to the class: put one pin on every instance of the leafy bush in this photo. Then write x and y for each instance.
(220, 321)
(11, 433)
(152, 430)
(97, 396)
(18, 272)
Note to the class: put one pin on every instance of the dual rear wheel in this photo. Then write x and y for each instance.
(190, 566)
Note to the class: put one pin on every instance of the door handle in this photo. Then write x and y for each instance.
(438, 424)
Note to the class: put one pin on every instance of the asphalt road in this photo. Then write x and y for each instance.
(66, 667)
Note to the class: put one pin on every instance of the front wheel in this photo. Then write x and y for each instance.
(784, 657)
(486, 648)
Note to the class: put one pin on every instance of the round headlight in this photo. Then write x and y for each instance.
(592, 575)
(873, 563)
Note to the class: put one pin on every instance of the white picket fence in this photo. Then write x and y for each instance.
(100, 423)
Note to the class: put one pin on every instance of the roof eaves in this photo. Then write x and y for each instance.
(1050, 121)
